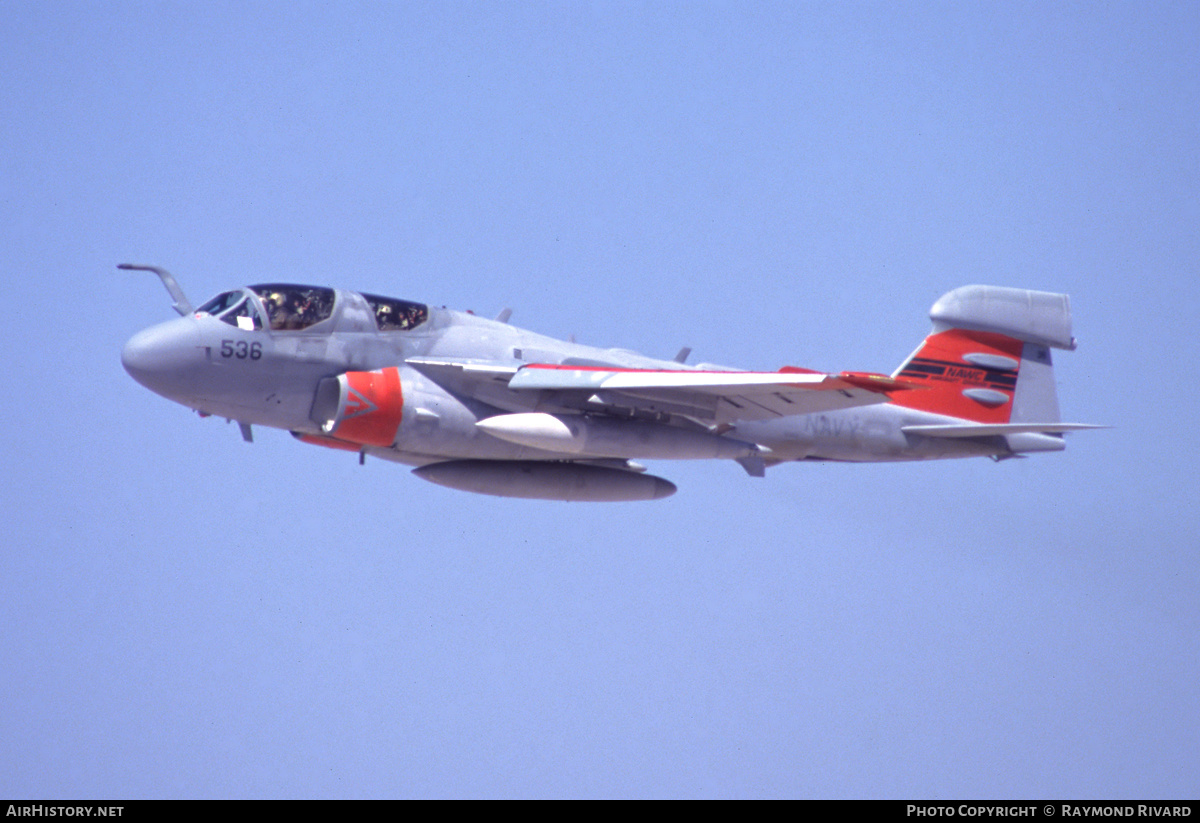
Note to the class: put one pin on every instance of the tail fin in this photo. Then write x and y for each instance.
(987, 359)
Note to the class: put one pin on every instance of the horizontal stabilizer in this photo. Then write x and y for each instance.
(986, 430)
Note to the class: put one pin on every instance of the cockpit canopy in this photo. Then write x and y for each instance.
(286, 307)
(290, 308)
(392, 314)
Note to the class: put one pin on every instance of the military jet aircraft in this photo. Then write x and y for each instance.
(482, 406)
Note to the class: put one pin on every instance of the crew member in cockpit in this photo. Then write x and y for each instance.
(276, 312)
(305, 314)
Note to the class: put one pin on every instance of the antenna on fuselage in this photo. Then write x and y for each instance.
(182, 304)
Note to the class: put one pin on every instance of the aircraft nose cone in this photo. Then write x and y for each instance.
(161, 356)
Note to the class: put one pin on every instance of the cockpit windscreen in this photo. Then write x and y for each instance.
(234, 308)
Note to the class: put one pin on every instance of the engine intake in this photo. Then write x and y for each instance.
(363, 407)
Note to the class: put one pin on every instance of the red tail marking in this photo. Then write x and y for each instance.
(949, 378)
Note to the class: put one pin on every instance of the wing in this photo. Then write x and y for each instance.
(709, 396)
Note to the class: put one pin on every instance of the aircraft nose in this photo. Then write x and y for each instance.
(161, 356)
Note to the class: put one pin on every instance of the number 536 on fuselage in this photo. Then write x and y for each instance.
(483, 406)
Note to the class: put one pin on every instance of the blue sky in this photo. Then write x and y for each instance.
(186, 615)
